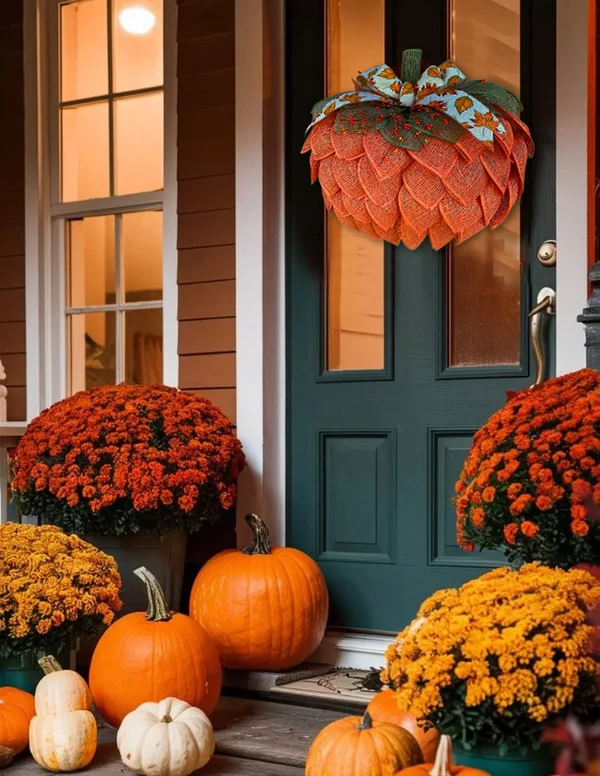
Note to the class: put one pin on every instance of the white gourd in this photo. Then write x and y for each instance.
(169, 738)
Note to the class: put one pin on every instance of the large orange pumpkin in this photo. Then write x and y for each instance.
(384, 708)
(443, 765)
(17, 709)
(265, 608)
(151, 656)
(432, 156)
(355, 746)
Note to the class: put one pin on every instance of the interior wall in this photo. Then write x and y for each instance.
(206, 199)
(12, 206)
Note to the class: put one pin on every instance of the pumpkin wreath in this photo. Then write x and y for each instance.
(429, 155)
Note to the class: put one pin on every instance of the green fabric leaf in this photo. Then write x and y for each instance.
(438, 124)
(491, 94)
(363, 117)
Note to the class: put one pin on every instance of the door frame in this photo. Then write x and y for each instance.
(260, 256)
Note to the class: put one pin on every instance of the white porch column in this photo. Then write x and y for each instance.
(571, 181)
(260, 290)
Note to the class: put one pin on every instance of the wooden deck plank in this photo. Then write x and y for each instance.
(263, 730)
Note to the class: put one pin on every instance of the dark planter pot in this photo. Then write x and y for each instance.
(164, 557)
(23, 671)
(540, 763)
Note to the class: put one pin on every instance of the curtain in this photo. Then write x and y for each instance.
(147, 359)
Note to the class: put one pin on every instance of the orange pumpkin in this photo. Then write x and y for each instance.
(264, 608)
(151, 656)
(443, 765)
(384, 708)
(355, 745)
(17, 709)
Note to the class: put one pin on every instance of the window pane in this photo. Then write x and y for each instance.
(143, 347)
(355, 262)
(85, 154)
(91, 261)
(485, 272)
(83, 50)
(137, 35)
(92, 352)
(142, 255)
(139, 144)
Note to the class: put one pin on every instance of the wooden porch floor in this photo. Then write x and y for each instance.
(254, 738)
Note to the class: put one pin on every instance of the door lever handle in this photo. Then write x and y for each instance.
(546, 304)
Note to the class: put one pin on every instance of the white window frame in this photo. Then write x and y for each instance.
(45, 257)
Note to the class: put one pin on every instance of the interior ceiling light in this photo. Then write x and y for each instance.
(137, 20)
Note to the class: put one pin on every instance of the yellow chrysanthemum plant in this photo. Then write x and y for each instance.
(494, 662)
(53, 588)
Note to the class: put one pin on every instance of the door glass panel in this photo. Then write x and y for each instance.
(354, 262)
(92, 350)
(83, 50)
(484, 273)
(91, 261)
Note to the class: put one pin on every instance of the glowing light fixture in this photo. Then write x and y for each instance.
(137, 20)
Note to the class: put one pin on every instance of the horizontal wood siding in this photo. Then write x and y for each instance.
(12, 206)
(206, 199)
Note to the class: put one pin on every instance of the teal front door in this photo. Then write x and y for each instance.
(396, 357)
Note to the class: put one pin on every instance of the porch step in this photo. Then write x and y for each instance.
(268, 732)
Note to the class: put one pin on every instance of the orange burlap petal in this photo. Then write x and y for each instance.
(345, 172)
(497, 165)
(460, 217)
(519, 128)
(327, 177)
(387, 160)
(347, 145)
(384, 216)
(356, 207)
(419, 218)
(437, 155)
(380, 191)
(424, 186)
(466, 180)
(445, 191)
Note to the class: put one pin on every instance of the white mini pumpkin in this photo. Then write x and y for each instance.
(65, 741)
(169, 738)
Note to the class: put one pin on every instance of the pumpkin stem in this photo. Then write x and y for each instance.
(411, 65)
(366, 722)
(49, 664)
(261, 538)
(443, 758)
(158, 608)
(6, 756)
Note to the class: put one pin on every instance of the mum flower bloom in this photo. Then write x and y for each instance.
(497, 659)
(540, 454)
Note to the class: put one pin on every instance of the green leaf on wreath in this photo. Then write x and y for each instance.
(492, 94)
(363, 117)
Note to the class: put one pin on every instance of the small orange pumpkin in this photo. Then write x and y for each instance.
(355, 745)
(148, 656)
(384, 708)
(443, 765)
(265, 608)
(17, 709)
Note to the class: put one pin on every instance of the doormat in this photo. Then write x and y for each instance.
(340, 684)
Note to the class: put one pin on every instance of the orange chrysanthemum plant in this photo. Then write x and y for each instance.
(429, 155)
(531, 482)
(125, 459)
(494, 662)
(53, 588)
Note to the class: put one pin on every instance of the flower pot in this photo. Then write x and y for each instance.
(164, 557)
(23, 671)
(540, 763)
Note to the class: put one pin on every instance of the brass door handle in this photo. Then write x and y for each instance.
(546, 305)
